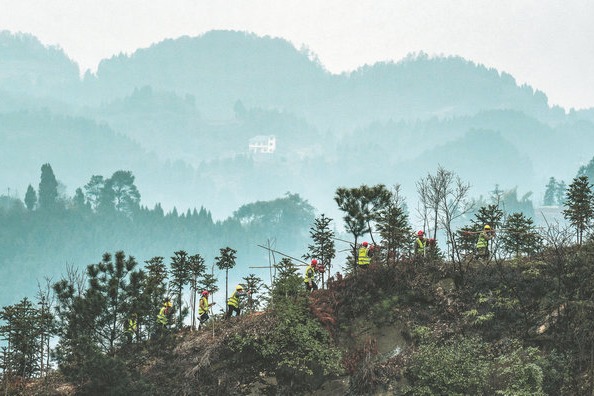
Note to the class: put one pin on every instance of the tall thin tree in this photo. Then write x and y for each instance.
(30, 198)
(323, 247)
(226, 261)
(393, 226)
(579, 202)
(197, 268)
(48, 188)
(180, 277)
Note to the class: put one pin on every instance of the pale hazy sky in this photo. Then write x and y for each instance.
(547, 44)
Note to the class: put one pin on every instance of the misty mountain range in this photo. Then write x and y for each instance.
(180, 115)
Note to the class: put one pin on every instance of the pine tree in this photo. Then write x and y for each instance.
(253, 285)
(78, 201)
(77, 341)
(491, 215)
(587, 170)
(520, 236)
(91, 326)
(137, 303)
(322, 248)
(353, 219)
(197, 268)
(48, 189)
(30, 198)
(46, 326)
(550, 195)
(21, 331)
(180, 277)
(560, 193)
(109, 287)
(93, 191)
(361, 206)
(580, 205)
(226, 261)
(125, 194)
(287, 285)
(466, 238)
(92, 319)
(393, 226)
(155, 290)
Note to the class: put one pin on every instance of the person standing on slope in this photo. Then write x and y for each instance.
(482, 245)
(203, 308)
(364, 256)
(164, 317)
(234, 300)
(420, 244)
(309, 278)
(132, 328)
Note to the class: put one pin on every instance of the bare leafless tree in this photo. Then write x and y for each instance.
(443, 196)
(431, 192)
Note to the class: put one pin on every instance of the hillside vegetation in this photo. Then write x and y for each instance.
(431, 320)
(513, 327)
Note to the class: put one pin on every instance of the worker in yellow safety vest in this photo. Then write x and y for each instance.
(482, 245)
(364, 256)
(164, 313)
(132, 328)
(234, 300)
(420, 244)
(310, 273)
(203, 308)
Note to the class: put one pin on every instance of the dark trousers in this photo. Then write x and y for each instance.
(230, 310)
(312, 287)
(482, 252)
(203, 318)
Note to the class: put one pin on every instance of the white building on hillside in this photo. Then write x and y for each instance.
(265, 144)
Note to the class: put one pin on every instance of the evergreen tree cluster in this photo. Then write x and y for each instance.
(554, 192)
(50, 230)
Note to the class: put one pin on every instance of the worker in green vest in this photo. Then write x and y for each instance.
(364, 256)
(420, 244)
(234, 301)
(203, 308)
(165, 313)
(310, 274)
(132, 328)
(482, 245)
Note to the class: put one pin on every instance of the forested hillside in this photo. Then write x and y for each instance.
(437, 319)
(49, 233)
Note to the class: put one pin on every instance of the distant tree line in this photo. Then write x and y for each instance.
(45, 232)
(555, 190)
